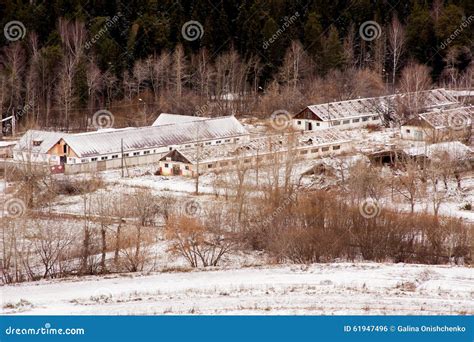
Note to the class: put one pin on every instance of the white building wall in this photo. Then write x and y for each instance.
(308, 152)
(113, 160)
(412, 133)
(166, 168)
(305, 125)
(350, 123)
(39, 158)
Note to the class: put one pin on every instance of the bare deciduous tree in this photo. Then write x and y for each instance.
(396, 40)
(180, 66)
(414, 79)
(199, 244)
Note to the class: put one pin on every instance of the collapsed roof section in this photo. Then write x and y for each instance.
(456, 117)
(425, 100)
(260, 146)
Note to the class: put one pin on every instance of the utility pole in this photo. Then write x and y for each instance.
(121, 148)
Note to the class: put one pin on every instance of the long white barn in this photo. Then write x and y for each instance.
(260, 151)
(362, 112)
(105, 149)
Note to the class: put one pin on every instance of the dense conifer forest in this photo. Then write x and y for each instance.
(63, 60)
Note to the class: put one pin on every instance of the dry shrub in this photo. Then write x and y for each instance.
(374, 128)
(135, 247)
(199, 244)
(73, 187)
(322, 227)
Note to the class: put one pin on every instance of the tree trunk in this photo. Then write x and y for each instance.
(104, 249)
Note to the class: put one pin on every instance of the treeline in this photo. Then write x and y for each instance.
(137, 57)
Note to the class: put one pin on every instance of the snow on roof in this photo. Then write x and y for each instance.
(435, 98)
(105, 130)
(461, 93)
(456, 117)
(100, 143)
(38, 141)
(8, 143)
(167, 119)
(375, 105)
(264, 145)
(328, 136)
(455, 150)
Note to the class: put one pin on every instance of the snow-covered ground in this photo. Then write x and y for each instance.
(338, 288)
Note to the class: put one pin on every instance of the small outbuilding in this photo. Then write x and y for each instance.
(438, 126)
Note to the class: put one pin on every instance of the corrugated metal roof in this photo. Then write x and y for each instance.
(429, 99)
(100, 142)
(167, 119)
(8, 143)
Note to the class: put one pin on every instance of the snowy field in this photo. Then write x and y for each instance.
(320, 289)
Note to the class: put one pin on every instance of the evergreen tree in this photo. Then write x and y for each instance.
(333, 52)
(421, 40)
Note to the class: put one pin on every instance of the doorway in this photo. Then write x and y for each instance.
(176, 170)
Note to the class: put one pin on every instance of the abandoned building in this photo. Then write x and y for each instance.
(369, 111)
(452, 152)
(438, 126)
(111, 148)
(255, 153)
(387, 157)
(345, 114)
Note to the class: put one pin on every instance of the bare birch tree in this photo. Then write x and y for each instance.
(396, 40)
